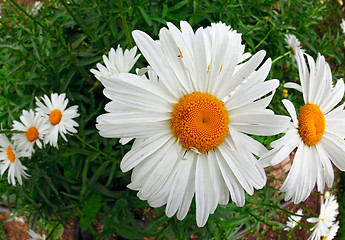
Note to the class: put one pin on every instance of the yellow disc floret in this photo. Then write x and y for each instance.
(311, 124)
(32, 134)
(10, 154)
(200, 121)
(55, 116)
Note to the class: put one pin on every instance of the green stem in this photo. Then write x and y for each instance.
(281, 56)
(124, 23)
(10, 131)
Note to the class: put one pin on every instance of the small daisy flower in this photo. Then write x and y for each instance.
(60, 118)
(9, 157)
(332, 232)
(36, 236)
(191, 118)
(285, 93)
(342, 25)
(293, 44)
(36, 7)
(293, 220)
(323, 223)
(118, 62)
(317, 133)
(34, 126)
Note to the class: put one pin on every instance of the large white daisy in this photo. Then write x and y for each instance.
(119, 61)
(34, 126)
(36, 236)
(9, 157)
(190, 123)
(317, 133)
(60, 118)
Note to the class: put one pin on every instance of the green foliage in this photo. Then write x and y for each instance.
(54, 50)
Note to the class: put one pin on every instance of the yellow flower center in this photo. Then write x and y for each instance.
(325, 237)
(55, 116)
(32, 134)
(200, 121)
(39, 239)
(10, 154)
(311, 124)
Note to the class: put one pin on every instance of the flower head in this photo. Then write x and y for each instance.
(317, 133)
(9, 157)
(36, 7)
(118, 62)
(190, 121)
(342, 25)
(34, 127)
(293, 220)
(36, 236)
(58, 116)
(293, 44)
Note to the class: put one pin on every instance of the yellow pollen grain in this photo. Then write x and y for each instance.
(200, 121)
(311, 124)
(180, 52)
(10, 154)
(55, 116)
(32, 134)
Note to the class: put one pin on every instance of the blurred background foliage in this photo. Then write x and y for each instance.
(54, 49)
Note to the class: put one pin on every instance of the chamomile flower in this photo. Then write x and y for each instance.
(293, 220)
(34, 127)
(318, 132)
(36, 236)
(118, 62)
(323, 223)
(342, 25)
(293, 44)
(59, 117)
(9, 157)
(332, 232)
(189, 124)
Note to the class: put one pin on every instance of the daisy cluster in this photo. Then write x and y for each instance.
(192, 111)
(36, 128)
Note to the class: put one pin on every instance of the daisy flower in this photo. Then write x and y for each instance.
(190, 124)
(332, 232)
(9, 157)
(60, 118)
(293, 220)
(118, 62)
(323, 223)
(34, 126)
(293, 44)
(342, 25)
(36, 236)
(36, 7)
(317, 133)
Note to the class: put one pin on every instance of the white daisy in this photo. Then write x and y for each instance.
(318, 132)
(293, 220)
(190, 132)
(118, 62)
(60, 118)
(342, 25)
(323, 223)
(34, 126)
(36, 7)
(293, 44)
(36, 236)
(9, 157)
(332, 232)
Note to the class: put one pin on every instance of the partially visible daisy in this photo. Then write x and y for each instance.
(318, 132)
(293, 44)
(118, 62)
(342, 25)
(34, 126)
(332, 232)
(36, 236)
(60, 117)
(293, 220)
(36, 7)
(9, 157)
(323, 223)
(190, 121)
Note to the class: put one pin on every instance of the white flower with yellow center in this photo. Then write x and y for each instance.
(118, 62)
(36, 236)
(293, 220)
(9, 157)
(34, 128)
(332, 232)
(190, 132)
(318, 132)
(323, 223)
(60, 118)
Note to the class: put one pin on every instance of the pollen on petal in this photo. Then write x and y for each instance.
(200, 121)
(55, 116)
(311, 124)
